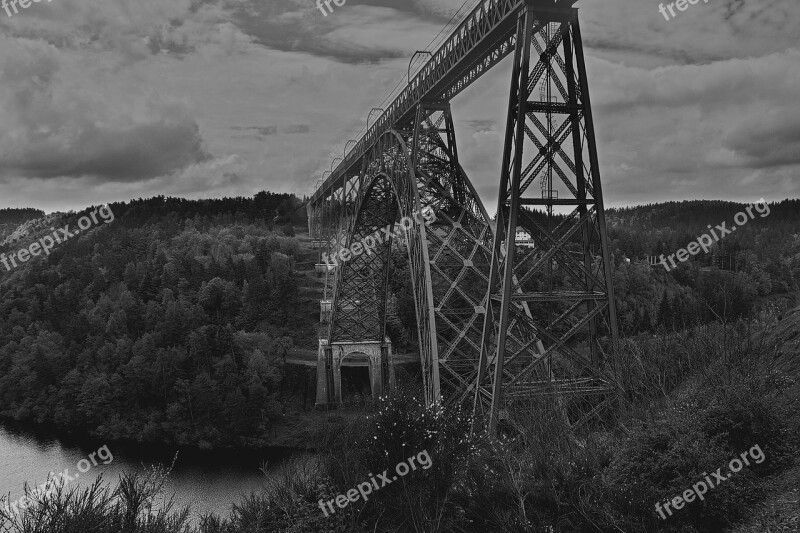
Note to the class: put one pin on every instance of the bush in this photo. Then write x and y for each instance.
(290, 504)
(544, 478)
(673, 447)
(401, 428)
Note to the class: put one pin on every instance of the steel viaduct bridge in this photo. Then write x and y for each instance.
(498, 320)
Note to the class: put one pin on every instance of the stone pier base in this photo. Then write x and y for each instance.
(375, 355)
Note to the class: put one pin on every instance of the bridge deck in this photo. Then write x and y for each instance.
(483, 39)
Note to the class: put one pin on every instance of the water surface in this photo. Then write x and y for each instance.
(209, 482)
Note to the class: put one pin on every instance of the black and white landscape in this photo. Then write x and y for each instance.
(274, 265)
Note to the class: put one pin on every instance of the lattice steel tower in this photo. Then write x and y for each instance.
(565, 280)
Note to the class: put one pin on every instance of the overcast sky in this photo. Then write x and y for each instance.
(107, 100)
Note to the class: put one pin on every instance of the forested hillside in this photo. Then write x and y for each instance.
(767, 246)
(166, 325)
(763, 270)
(18, 216)
(13, 219)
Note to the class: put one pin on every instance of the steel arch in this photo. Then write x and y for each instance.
(408, 172)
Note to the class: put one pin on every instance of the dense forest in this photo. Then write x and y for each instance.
(168, 325)
(18, 216)
(763, 271)
(12, 220)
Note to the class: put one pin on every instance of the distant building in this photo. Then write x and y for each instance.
(524, 239)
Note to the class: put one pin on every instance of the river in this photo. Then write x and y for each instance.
(209, 482)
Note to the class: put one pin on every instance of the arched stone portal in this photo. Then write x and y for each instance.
(355, 370)
(376, 356)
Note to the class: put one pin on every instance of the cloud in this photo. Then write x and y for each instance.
(266, 131)
(694, 119)
(767, 139)
(482, 126)
(262, 131)
(385, 30)
(296, 129)
(227, 97)
(52, 130)
(111, 152)
(636, 34)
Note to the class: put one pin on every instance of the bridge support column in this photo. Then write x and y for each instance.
(550, 188)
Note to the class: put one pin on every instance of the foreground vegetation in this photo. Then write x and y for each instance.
(690, 402)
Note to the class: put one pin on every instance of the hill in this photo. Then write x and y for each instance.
(14, 223)
(144, 324)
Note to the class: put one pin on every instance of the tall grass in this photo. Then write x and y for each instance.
(129, 508)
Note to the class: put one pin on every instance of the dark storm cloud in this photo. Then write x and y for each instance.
(52, 132)
(137, 153)
(767, 141)
(284, 25)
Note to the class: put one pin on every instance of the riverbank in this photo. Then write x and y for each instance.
(206, 481)
(291, 432)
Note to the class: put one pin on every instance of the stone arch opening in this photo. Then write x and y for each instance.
(356, 378)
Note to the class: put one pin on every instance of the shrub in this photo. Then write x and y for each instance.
(675, 447)
(543, 477)
(402, 427)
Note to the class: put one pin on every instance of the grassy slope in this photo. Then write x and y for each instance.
(780, 511)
